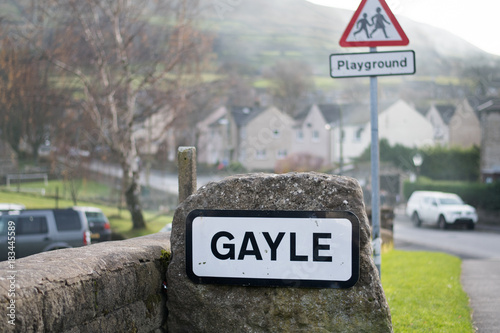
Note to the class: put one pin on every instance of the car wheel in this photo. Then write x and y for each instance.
(471, 226)
(442, 223)
(416, 219)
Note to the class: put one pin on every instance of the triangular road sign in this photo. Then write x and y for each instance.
(373, 24)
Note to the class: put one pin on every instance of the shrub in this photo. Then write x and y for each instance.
(439, 163)
(455, 163)
(299, 162)
(479, 195)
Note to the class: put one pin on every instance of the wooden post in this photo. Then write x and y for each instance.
(186, 162)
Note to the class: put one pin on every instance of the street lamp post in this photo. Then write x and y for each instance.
(417, 161)
(328, 127)
(341, 142)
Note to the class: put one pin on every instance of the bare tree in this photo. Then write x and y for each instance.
(290, 83)
(484, 80)
(28, 101)
(11, 121)
(131, 59)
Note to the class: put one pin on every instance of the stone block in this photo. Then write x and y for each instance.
(220, 308)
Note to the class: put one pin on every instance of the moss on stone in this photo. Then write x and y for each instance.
(152, 303)
(96, 307)
(165, 258)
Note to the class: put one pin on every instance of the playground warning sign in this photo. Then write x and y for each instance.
(373, 24)
(372, 64)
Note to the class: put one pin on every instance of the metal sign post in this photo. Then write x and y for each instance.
(377, 258)
(386, 31)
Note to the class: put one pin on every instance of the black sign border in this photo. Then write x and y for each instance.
(365, 75)
(257, 282)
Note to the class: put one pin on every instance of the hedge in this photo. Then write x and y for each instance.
(455, 163)
(479, 195)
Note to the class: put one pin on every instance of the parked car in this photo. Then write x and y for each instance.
(98, 223)
(6, 207)
(41, 230)
(166, 228)
(443, 209)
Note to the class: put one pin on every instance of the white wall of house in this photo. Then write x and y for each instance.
(355, 139)
(266, 139)
(152, 132)
(440, 128)
(490, 149)
(399, 124)
(464, 127)
(312, 136)
(210, 143)
(404, 125)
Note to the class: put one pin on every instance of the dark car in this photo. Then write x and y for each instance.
(98, 223)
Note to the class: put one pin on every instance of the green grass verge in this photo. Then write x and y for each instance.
(424, 292)
(118, 218)
(85, 189)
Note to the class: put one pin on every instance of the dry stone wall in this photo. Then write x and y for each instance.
(106, 287)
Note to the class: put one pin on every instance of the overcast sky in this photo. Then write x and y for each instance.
(477, 21)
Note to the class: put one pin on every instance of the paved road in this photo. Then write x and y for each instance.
(480, 253)
(157, 179)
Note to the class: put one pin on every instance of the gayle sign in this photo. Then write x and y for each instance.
(273, 248)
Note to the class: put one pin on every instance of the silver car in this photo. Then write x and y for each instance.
(27, 232)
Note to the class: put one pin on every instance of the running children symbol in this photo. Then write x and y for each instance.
(373, 24)
(378, 20)
(363, 25)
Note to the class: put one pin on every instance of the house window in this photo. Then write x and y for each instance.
(281, 154)
(358, 134)
(300, 135)
(315, 136)
(243, 155)
(260, 154)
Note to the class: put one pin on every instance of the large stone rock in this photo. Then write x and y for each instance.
(218, 308)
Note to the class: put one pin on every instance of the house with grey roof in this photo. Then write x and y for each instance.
(440, 116)
(333, 133)
(455, 124)
(398, 122)
(465, 128)
(215, 142)
(8, 159)
(256, 137)
(340, 133)
(313, 131)
(489, 113)
(264, 136)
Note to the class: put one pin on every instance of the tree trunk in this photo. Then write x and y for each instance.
(132, 197)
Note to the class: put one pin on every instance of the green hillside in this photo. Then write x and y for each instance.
(257, 33)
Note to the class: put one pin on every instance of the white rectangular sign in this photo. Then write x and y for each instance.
(273, 248)
(372, 64)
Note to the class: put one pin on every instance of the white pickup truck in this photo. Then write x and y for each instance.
(443, 209)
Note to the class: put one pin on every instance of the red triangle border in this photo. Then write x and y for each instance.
(404, 39)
